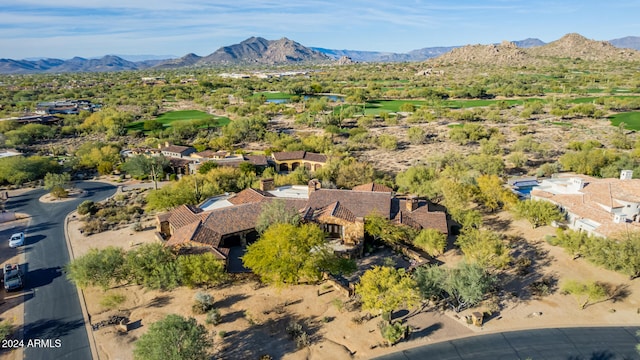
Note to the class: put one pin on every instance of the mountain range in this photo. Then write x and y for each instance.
(259, 51)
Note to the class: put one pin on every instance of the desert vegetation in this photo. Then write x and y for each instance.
(451, 138)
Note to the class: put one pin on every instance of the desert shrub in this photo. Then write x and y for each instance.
(297, 333)
(387, 142)
(339, 304)
(294, 329)
(111, 301)
(213, 317)
(393, 333)
(523, 266)
(93, 227)
(134, 210)
(59, 192)
(542, 287)
(86, 207)
(5, 329)
(137, 226)
(107, 212)
(302, 340)
(203, 303)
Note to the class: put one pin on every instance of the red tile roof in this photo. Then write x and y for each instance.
(210, 154)
(315, 157)
(360, 203)
(288, 155)
(299, 155)
(183, 215)
(257, 160)
(373, 187)
(332, 210)
(176, 149)
(249, 196)
(422, 218)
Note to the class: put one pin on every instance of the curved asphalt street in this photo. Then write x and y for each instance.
(589, 343)
(52, 309)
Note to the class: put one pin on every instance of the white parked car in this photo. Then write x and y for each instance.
(16, 240)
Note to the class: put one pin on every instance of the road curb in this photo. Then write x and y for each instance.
(83, 303)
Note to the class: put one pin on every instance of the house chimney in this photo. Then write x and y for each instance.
(314, 185)
(577, 184)
(266, 184)
(619, 218)
(412, 203)
(626, 174)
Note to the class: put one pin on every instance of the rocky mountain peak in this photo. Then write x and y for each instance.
(577, 46)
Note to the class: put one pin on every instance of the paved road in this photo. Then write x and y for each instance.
(53, 310)
(593, 343)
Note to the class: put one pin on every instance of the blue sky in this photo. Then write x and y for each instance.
(90, 28)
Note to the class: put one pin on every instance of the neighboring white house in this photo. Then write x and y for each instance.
(602, 207)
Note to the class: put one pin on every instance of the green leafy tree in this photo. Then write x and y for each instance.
(537, 212)
(141, 166)
(153, 266)
(173, 338)
(102, 268)
(276, 212)
(151, 125)
(207, 166)
(461, 287)
(17, 170)
(350, 173)
(585, 292)
(98, 155)
(286, 254)
(200, 270)
(418, 180)
(619, 253)
(385, 289)
(518, 159)
(492, 193)
(57, 183)
(432, 241)
(383, 229)
(484, 247)
(193, 189)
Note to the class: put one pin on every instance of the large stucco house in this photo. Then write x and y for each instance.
(602, 207)
(225, 225)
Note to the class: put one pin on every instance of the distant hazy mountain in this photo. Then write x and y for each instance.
(629, 42)
(414, 55)
(142, 58)
(257, 50)
(529, 43)
(187, 60)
